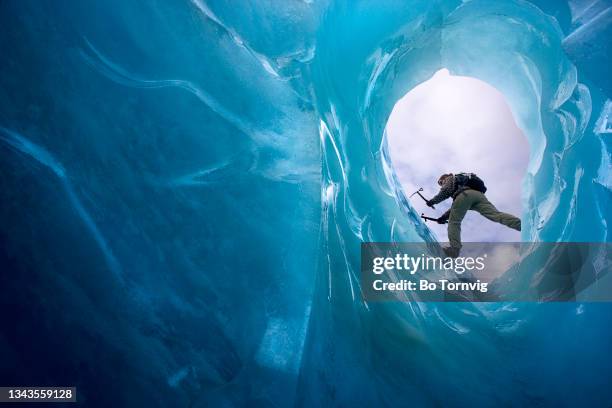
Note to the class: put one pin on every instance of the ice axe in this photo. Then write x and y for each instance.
(424, 217)
(421, 195)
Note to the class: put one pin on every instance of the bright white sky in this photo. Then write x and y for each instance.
(452, 124)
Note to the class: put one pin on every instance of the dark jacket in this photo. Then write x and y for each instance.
(450, 188)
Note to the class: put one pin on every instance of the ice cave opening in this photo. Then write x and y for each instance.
(453, 123)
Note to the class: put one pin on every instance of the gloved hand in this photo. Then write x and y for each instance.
(442, 220)
(429, 204)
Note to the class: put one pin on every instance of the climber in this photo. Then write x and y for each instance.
(467, 191)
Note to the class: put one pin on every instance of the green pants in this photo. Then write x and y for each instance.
(476, 201)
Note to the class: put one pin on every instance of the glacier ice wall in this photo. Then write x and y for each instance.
(186, 184)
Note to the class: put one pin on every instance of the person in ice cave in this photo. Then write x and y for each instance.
(468, 193)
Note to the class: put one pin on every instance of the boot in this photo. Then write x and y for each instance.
(451, 252)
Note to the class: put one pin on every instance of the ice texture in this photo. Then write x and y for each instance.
(185, 186)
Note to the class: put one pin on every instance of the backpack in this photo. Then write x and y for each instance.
(471, 180)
